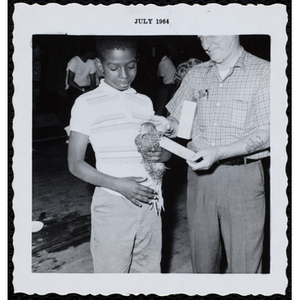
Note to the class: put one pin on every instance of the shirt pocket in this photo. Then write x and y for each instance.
(239, 112)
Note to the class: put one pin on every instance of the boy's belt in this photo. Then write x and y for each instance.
(237, 161)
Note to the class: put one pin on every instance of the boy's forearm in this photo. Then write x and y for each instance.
(75, 85)
(89, 174)
(71, 82)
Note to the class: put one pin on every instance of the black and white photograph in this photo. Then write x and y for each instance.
(150, 149)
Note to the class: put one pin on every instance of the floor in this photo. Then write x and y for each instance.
(62, 203)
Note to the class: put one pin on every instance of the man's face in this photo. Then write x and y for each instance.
(219, 47)
(120, 67)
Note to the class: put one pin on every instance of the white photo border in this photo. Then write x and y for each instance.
(208, 19)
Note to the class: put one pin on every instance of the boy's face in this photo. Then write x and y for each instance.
(119, 67)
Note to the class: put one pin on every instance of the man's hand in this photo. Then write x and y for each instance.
(204, 159)
(167, 126)
(135, 192)
(256, 141)
(158, 155)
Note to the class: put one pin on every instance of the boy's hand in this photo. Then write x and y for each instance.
(165, 125)
(158, 155)
(131, 188)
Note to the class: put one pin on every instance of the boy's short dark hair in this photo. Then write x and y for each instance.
(107, 44)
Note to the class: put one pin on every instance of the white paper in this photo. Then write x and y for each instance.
(176, 148)
(187, 119)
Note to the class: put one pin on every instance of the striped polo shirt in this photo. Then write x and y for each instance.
(112, 120)
(227, 109)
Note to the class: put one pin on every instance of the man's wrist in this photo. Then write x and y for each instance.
(223, 152)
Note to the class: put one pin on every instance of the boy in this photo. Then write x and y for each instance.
(126, 230)
(81, 72)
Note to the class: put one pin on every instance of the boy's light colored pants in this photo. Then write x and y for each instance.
(124, 238)
(228, 201)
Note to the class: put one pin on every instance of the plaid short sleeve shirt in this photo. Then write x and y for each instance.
(228, 109)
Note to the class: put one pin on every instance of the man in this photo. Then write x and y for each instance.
(225, 196)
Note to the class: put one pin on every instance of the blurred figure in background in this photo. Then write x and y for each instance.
(166, 82)
(183, 68)
(80, 78)
(81, 74)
